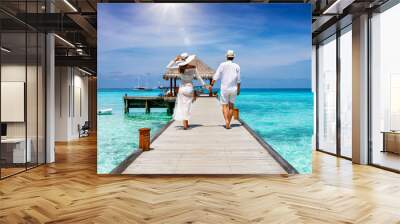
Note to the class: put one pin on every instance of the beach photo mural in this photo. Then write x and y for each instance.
(204, 89)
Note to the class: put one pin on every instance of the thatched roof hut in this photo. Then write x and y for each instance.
(203, 69)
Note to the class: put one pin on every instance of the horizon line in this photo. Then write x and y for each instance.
(218, 88)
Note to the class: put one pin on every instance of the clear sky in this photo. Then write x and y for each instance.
(272, 42)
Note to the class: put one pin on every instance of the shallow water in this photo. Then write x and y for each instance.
(118, 133)
(284, 118)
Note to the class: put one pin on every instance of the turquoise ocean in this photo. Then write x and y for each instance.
(282, 117)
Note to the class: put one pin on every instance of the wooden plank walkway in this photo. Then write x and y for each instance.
(206, 148)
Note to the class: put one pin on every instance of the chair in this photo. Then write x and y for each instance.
(84, 130)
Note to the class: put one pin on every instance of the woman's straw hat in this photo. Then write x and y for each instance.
(185, 59)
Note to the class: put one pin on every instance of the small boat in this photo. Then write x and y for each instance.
(107, 111)
(141, 87)
(160, 86)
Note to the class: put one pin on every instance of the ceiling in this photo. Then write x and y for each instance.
(74, 22)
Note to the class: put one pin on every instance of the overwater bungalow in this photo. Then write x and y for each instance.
(167, 100)
(205, 72)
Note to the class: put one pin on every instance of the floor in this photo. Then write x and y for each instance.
(10, 171)
(70, 191)
(206, 148)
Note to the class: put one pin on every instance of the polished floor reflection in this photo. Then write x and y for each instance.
(387, 159)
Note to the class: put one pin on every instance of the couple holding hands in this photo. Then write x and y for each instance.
(229, 74)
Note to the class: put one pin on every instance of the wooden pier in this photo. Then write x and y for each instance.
(149, 102)
(206, 148)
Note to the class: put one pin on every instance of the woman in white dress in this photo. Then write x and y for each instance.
(186, 93)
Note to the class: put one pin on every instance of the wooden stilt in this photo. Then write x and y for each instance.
(147, 107)
(170, 110)
(126, 108)
(175, 92)
(170, 87)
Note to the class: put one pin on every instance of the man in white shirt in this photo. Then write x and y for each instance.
(229, 74)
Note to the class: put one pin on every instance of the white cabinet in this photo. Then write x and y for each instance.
(17, 146)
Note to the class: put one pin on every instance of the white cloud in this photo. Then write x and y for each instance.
(136, 42)
(147, 28)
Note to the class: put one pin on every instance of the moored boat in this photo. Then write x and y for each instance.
(107, 111)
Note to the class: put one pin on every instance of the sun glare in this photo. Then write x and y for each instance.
(168, 9)
(173, 14)
(167, 6)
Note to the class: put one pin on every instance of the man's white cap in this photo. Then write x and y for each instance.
(230, 54)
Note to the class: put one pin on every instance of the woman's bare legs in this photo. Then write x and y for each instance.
(185, 124)
(194, 96)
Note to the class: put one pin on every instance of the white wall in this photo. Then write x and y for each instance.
(12, 73)
(71, 102)
(17, 73)
(62, 82)
(80, 109)
(33, 126)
